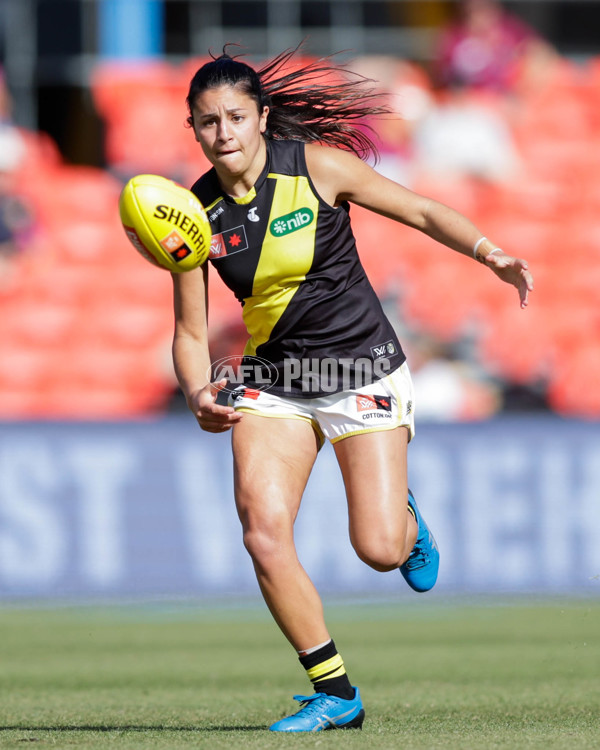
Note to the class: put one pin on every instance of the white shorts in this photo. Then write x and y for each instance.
(384, 405)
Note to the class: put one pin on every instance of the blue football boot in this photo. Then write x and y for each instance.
(320, 712)
(421, 569)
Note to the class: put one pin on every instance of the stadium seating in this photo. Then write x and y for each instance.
(143, 107)
(87, 324)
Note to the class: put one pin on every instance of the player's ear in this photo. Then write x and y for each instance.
(192, 125)
(263, 119)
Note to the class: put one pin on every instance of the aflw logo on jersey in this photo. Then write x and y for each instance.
(291, 222)
(388, 349)
(228, 242)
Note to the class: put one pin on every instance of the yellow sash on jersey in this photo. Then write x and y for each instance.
(286, 257)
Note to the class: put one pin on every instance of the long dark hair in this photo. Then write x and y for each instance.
(314, 102)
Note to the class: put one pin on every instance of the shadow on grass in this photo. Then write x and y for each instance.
(128, 728)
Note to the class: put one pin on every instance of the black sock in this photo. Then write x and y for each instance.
(326, 671)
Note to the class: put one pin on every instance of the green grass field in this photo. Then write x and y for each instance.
(451, 674)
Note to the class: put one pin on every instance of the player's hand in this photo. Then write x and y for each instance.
(513, 271)
(212, 417)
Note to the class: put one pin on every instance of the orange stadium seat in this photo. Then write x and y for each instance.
(136, 282)
(22, 367)
(521, 235)
(574, 326)
(19, 402)
(549, 93)
(66, 193)
(81, 403)
(120, 381)
(462, 193)
(37, 325)
(54, 283)
(443, 297)
(517, 344)
(143, 106)
(125, 326)
(81, 242)
(573, 390)
(382, 249)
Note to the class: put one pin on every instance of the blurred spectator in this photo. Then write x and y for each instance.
(448, 389)
(456, 133)
(15, 216)
(406, 91)
(465, 135)
(483, 47)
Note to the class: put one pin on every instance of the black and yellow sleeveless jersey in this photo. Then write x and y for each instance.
(291, 260)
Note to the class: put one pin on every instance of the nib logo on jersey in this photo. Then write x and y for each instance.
(374, 407)
(291, 222)
(228, 242)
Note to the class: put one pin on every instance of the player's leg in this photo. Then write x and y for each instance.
(374, 468)
(273, 458)
(386, 527)
(371, 429)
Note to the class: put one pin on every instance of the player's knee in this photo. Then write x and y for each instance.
(258, 544)
(264, 539)
(382, 553)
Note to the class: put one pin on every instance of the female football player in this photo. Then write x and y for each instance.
(286, 146)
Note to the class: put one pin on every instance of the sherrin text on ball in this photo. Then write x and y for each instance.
(165, 222)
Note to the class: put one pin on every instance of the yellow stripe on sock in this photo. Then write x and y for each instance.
(335, 665)
(338, 673)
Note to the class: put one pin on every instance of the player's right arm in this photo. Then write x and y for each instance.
(191, 358)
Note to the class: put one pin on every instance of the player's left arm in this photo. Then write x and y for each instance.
(341, 176)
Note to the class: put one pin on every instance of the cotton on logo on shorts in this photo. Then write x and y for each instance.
(365, 403)
(370, 403)
(374, 407)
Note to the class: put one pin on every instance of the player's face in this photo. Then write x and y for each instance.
(229, 128)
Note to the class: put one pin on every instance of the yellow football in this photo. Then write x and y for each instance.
(165, 222)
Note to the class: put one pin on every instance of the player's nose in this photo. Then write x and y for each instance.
(223, 133)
